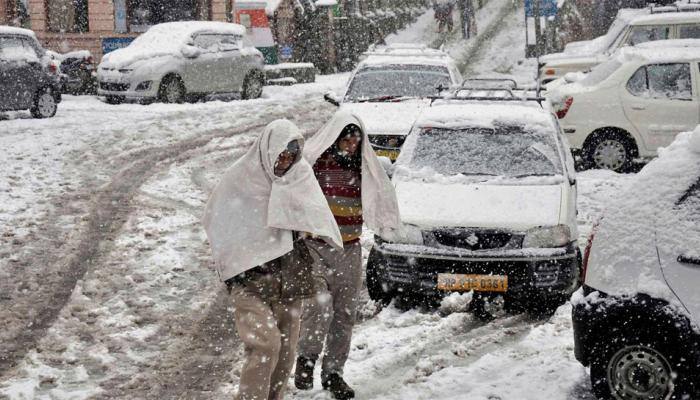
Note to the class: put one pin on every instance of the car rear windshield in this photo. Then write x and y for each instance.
(600, 72)
(397, 81)
(504, 151)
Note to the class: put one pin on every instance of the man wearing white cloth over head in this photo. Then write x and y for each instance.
(253, 220)
(357, 190)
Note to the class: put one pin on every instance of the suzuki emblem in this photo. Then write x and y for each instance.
(472, 240)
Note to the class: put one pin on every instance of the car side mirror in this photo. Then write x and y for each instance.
(686, 259)
(332, 98)
(387, 165)
(190, 51)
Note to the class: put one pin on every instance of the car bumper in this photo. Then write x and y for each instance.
(585, 317)
(528, 275)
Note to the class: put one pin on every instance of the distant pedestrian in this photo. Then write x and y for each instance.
(357, 190)
(468, 18)
(253, 221)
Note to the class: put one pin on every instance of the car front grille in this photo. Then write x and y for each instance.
(114, 87)
(474, 240)
(387, 141)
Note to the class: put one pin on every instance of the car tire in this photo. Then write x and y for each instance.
(609, 149)
(172, 90)
(253, 86)
(114, 99)
(377, 287)
(44, 104)
(629, 353)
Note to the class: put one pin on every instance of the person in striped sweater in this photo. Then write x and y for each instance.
(339, 173)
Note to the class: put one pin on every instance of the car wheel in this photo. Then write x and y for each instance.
(377, 288)
(253, 86)
(640, 366)
(172, 91)
(114, 99)
(44, 105)
(609, 150)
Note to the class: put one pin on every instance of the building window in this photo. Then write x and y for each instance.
(67, 15)
(145, 13)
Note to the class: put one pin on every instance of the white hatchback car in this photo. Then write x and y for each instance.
(629, 106)
(636, 318)
(487, 196)
(390, 87)
(178, 61)
(632, 27)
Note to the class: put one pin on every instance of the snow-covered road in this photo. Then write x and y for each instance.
(106, 283)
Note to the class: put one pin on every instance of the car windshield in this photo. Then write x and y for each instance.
(388, 81)
(15, 48)
(600, 72)
(504, 151)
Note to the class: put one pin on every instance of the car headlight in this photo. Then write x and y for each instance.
(547, 237)
(405, 234)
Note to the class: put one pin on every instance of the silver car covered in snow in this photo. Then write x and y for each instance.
(178, 61)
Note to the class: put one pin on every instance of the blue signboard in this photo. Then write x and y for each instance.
(115, 43)
(548, 8)
(286, 52)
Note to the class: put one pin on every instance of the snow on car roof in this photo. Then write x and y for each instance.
(404, 60)
(166, 40)
(662, 51)
(11, 30)
(666, 18)
(459, 114)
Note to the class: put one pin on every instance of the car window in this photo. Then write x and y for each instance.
(506, 150)
(397, 80)
(642, 34)
(229, 42)
(13, 48)
(690, 202)
(659, 81)
(689, 32)
(30, 46)
(207, 42)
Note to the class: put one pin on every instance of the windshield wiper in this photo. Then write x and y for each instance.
(528, 175)
(385, 98)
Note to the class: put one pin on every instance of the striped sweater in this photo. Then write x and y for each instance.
(342, 190)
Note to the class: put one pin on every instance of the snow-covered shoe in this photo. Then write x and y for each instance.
(304, 373)
(335, 384)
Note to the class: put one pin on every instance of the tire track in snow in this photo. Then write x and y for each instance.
(29, 317)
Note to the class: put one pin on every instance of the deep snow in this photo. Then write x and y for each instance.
(149, 318)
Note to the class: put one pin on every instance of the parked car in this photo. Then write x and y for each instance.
(390, 86)
(632, 27)
(78, 72)
(629, 106)
(487, 196)
(28, 81)
(637, 314)
(178, 61)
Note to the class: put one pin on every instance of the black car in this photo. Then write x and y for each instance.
(28, 79)
(78, 72)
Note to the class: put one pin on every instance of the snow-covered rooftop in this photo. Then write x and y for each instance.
(663, 51)
(667, 18)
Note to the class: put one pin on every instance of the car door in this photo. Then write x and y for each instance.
(199, 72)
(15, 73)
(678, 243)
(230, 68)
(660, 101)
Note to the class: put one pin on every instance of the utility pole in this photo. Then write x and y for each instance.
(538, 28)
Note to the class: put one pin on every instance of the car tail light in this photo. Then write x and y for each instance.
(89, 60)
(587, 252)
(53, 68)
(561, 112)
(550, 71)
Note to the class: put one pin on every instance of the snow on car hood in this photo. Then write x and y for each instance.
(478, 205)
(624, 259)
(574, 61)
(387, 118)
